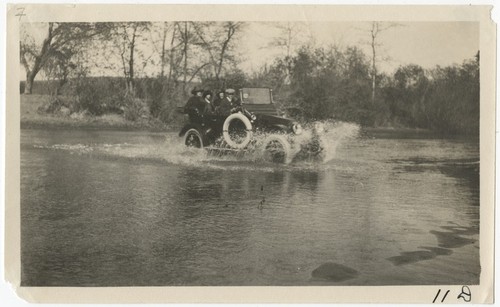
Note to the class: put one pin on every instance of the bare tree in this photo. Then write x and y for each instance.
(61, 39)
(219, 43)
(376, 29)
(126, 38)
(173, 67)
(164, 29)
(193, 58)
(290, 36)
(228, 33)
(186, 37)
(169, 47)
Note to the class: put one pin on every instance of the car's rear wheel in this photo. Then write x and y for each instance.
(277, 149)
(193, 138)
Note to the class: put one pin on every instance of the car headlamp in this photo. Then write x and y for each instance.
(297, 129)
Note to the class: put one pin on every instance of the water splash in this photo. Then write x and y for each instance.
(336, 134)
(173, 151)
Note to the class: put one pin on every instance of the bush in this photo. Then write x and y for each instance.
(58, 104)
(98, 97)
(133, 109)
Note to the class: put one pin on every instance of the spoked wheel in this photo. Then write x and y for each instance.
(277, 149)
(192, 138)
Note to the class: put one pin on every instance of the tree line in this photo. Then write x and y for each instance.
(157, 64)
(337, 83)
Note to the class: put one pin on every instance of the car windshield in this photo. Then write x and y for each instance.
(256, 96)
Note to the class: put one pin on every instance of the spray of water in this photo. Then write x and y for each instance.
(337, 134)
(173, 151)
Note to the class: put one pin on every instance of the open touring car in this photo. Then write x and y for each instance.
(253, 126)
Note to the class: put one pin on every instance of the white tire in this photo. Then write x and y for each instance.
(248, 131)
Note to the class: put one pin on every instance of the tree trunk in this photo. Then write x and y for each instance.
(39, 61)
(374, 67)
(172, 54)
(185, 51)
(163, 55)
(28, 86)
(131, 64)
(230, 32)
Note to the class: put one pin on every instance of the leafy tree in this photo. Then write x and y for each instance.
(273, 77)
(444, 99)
(331, 83)
(58, 68)
(454, 101)
(61, 41)
(407, 96)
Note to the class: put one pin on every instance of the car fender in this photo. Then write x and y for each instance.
(280, 127)
(192, 126)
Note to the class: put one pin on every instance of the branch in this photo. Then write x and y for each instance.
(204, 42)
(197, 71)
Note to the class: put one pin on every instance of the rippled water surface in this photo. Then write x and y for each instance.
(108, 208)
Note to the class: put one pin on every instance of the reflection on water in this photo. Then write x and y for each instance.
(129, 209)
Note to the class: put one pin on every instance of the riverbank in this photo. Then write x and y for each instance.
(33, 117)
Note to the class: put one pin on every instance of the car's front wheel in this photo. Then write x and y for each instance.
(277, 149)
(193, 138)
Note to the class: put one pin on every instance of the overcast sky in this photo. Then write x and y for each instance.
(424, 43)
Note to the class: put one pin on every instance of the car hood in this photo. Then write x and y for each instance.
(274, 120)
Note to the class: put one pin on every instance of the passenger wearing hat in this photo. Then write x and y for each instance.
(218, 100)
(235, 102)
(208, 108)
(228, 103)
(195, 106)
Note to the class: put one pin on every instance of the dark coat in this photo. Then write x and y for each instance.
(224, 109)
(195, 107)
(208, 108)
(217, 102)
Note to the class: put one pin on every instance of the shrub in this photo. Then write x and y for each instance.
(58, 104)
(134, 109)
(98, 97)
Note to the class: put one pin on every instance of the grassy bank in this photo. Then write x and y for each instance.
(34, 116)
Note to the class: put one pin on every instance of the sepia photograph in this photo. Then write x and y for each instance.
(230, 151)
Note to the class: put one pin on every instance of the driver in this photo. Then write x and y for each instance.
(235, 102)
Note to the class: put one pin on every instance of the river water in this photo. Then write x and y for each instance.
(110, 208)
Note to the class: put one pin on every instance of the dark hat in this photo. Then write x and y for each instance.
(194, 91)
(206, 93)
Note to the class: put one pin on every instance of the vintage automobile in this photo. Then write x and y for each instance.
(256, 116)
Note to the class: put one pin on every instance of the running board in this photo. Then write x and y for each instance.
(225, 149)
